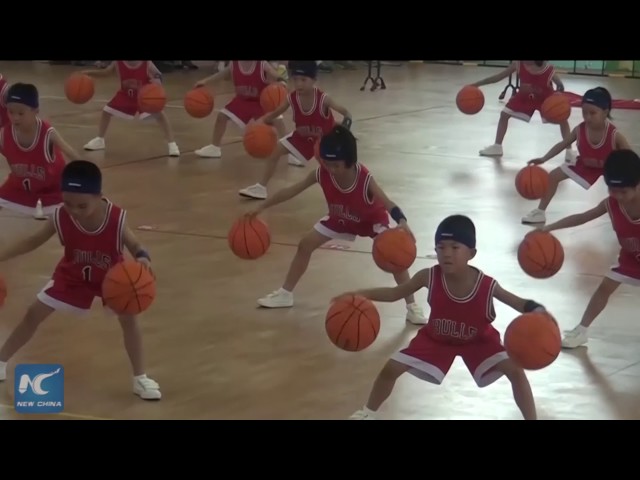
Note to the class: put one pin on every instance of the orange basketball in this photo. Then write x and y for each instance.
(198, 102)
(3, 291)
(152, 98)
(532, 182)
(540, 255)
(470, 100)
(260, 140)
(129, 288)
(249, 238)
(272, 97)
(533, 340)
(394, 250)
(79, 88)
(352, 323)
(556, 108)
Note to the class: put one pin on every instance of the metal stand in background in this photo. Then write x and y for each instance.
(378, 81)
(511, 85)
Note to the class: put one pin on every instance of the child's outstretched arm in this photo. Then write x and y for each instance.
(557, 148)
(30, 243)
(557, 81)
(510, 70)
(273, 76)
(331, 104)
(518, 304)
(375, 191)
(393, 294)
(101, 72)
(271, 116)
(287, 193)
(69, 152)
(578, 219)
(136, 249)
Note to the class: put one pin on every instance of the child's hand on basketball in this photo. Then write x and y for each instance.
(536, 161)
(405, 226)
(147, 263)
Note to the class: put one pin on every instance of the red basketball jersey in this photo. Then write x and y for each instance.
(591, 155)
(132, 79)
(249, 84)
(36, 168)
(352, 206)
(89, 255)
(540, 82)
(315, 122)
(627, 230)
(458, 321)
(4, 88)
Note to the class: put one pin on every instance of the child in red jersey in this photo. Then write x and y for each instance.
(124, 104)
(461, 300)
(4, 87)
(596, 138)
(536, 78)
(34, 151)
(249, 80)
(94, 233)
(357, 208)
(622, 176)
(312, 116)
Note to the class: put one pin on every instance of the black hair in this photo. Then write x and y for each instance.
(459, 228)
(83, 171)
(303, 67)
(339, 144)
(622, 169)
(539, 62)
(27, 92)
(607, 95)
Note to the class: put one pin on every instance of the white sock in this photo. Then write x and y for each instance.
(3, 365)
(140, 377)
(582, 329)
(368, 411)
(286, 292)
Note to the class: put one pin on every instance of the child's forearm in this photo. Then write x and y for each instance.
(567, 222)
(385, 294)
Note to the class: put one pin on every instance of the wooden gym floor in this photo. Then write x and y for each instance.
(216, 356)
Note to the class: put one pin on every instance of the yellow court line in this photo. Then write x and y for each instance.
(61, 414)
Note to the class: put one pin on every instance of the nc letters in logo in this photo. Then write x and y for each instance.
(39, 388)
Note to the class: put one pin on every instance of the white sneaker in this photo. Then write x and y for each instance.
(174, 151)
(294, 161)
(95, 144)
(361, 415)
(415, 314)
(3, 371)
(535, 216)
(570, 157)
(257, 192)
(146, 388)
(575, 338)
(278, 299)
(210, 151)
(492, 151)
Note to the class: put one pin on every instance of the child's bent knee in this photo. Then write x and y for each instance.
(511, 369)
(392, 370)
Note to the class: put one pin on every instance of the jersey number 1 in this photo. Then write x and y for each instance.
(26, 183)
(86, 273)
